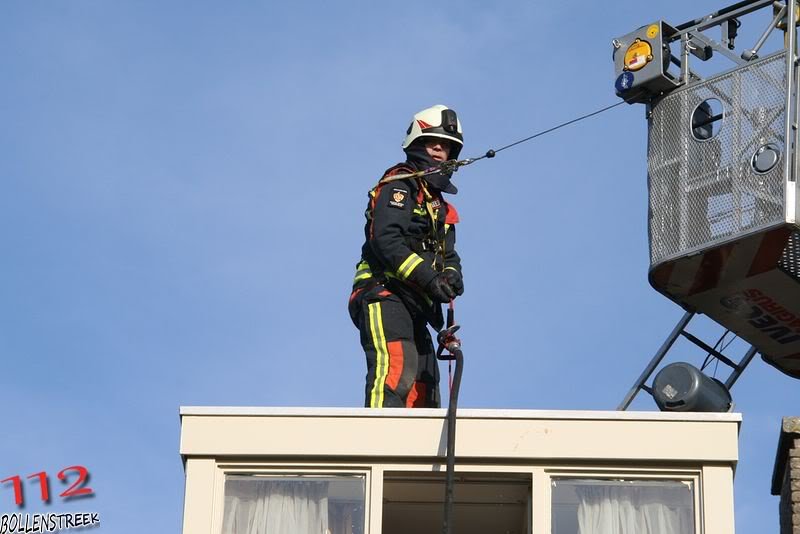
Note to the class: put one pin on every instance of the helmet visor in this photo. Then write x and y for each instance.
(449, 121)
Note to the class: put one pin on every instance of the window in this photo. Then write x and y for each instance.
(484, 503)
(707, 119)
(300, 504)
(584, 506)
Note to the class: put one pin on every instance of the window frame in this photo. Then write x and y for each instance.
(693, 476)
(541, 479)
(491, 474)
(223, 469)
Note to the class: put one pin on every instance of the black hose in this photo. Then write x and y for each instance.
(451, 443)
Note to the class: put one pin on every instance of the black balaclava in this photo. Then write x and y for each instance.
(418, 157)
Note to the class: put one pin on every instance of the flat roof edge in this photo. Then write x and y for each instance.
(468, 413)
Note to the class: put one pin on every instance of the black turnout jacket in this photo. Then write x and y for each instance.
(410, 237)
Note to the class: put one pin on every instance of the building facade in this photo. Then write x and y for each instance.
(353, 471)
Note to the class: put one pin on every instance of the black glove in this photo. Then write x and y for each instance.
(455, 280)
(439, 289)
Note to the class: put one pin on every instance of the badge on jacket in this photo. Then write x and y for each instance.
(398, 199)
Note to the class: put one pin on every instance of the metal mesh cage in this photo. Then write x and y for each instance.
(704, 191)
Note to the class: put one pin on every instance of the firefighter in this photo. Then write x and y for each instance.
(409, 266)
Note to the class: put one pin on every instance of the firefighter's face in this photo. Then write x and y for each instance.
(438, 149)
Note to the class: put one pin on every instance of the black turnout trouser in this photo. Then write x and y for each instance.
(401, 361)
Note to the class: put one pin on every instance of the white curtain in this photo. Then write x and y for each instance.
(633, 510)
(275, 507)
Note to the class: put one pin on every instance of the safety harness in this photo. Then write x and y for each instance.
(433, 241)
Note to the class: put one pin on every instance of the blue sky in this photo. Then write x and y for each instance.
(182, 209)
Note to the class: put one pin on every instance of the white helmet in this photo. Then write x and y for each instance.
(436, 121)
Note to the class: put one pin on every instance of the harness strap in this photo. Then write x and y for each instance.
(434, 234)
(397, 173)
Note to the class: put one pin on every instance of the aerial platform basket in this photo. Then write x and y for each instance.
(723, 232)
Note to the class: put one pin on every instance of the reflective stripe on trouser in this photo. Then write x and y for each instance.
(401, 363)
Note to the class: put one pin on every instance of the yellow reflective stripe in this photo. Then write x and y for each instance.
(408, 266)
(453, 268)
(411, 268)
(362, 272)
(403, 265)
(376, 344)
(385, 350)
(446, 227)
(382, 355)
